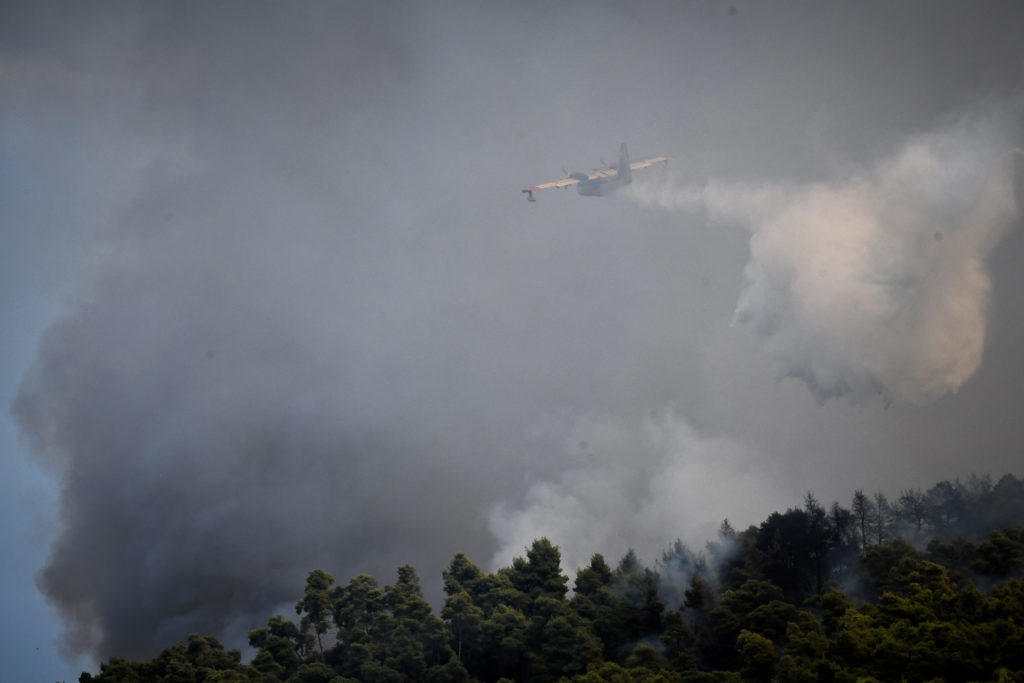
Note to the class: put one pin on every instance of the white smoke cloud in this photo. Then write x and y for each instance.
(639, 484)
(875, 283)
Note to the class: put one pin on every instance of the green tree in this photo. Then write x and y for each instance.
(818, 540)
(863, 511)
(567, 647)
(639, 607)
(595, 601)
(198, 659)
(717, 639)
(390, 634)
(944, 506)
(317, 605)
(362, 621)
(540, 573)
(461, 575)
(464, 620)
(679, 642)
(417, 640)
(910, 508)
(878, 565)
(593, 577)
(882, 518)
(504, 638)
(699, 599)
(1001, 554)
(279, 648)
(770, 620)
(756, 655)
(804, 652)
(832, 604)
(646, 657)
(314, 672)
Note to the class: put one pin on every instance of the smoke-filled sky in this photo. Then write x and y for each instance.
(273, 300)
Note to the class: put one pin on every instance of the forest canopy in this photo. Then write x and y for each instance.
(929, 586)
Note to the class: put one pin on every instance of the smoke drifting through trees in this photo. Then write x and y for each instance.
(763, 600)
(873, 284)
(876, 283)
(628, 484)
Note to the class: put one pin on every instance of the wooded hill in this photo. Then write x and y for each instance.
(811, 594)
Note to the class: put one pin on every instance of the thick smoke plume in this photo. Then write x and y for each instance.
(315, 324)
(877, 282)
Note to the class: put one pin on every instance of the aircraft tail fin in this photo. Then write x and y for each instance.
(623, 166)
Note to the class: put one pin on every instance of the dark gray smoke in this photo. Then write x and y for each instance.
(321, 327)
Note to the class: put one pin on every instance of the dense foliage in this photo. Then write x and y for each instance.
(808, 595)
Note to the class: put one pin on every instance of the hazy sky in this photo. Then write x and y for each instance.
(273, 300)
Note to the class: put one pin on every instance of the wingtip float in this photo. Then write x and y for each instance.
(602, 181)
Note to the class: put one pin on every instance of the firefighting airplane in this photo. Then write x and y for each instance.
(601, 181)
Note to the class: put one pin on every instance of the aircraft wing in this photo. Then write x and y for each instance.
(644, 163)
(561, 184)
